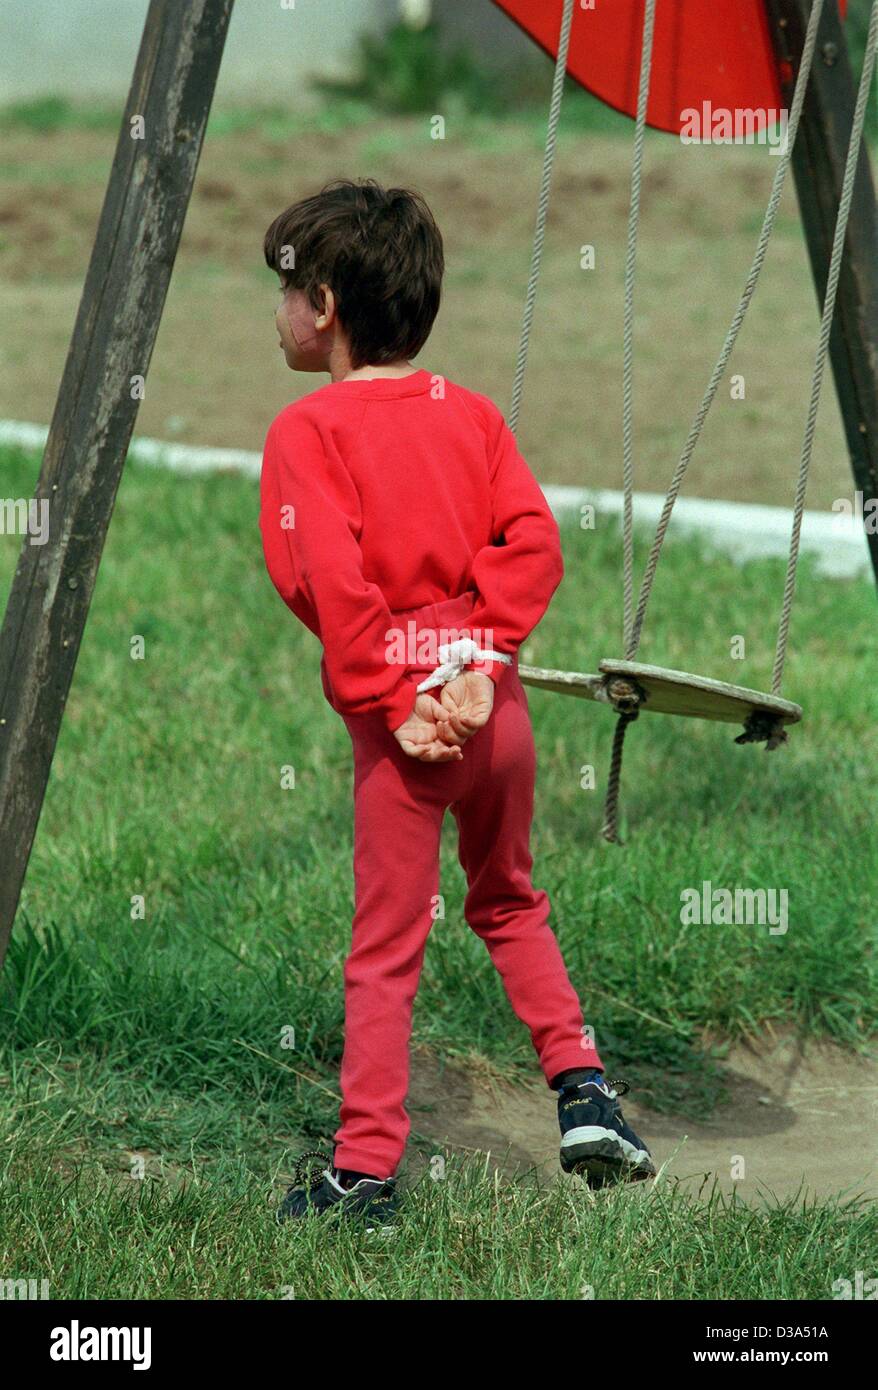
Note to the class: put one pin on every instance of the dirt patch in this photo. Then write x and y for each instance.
(796, 1117)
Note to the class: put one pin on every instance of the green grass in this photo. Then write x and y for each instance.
(208, 1234)
(49, 113)
(163, 1035)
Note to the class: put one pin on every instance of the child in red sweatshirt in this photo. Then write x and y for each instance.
(402, 526)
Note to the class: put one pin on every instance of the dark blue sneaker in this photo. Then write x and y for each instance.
(371, 1199)
(596, 1142)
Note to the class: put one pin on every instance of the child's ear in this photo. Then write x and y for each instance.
(325, 316)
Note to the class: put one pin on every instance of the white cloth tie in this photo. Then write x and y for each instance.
(453, 656)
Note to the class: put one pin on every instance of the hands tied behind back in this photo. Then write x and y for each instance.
(436, 730)
(467, 702)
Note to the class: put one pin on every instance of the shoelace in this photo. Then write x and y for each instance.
(618, 1085)
(302, 1175)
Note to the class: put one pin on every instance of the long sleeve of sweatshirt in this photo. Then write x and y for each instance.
(310, 520)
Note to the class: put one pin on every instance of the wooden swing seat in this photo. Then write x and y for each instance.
(630, 686)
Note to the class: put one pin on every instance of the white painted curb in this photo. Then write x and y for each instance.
(180, 458)
(743, 530)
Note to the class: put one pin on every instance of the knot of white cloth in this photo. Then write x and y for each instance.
(453, 656)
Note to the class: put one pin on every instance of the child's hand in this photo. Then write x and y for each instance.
(419, 736)
(467, 702)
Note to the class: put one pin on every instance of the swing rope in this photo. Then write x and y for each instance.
(632, 628)
(542, 210)
(611, 813)
(610, 829)
(628, 328)
(734, 328)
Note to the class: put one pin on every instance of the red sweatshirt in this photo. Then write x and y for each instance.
(385, 495)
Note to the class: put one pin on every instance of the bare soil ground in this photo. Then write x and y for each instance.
(218, 378)
(796, 1118)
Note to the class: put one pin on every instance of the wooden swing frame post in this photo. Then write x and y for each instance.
(818, 167)
(131, 262)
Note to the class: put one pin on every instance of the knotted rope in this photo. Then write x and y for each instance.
(454, 656)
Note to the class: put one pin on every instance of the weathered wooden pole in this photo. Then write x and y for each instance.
(818, 166)
(132, 258)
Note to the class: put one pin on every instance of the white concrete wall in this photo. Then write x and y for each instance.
(86, 49)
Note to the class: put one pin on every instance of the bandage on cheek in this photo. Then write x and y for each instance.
(301, 324)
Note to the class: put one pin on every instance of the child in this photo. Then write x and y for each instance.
(401, 525)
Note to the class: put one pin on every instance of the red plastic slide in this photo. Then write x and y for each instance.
(713, 52)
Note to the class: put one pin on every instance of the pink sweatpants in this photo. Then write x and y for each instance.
(399, 805)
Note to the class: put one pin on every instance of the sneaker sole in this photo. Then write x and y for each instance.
(605, 1156)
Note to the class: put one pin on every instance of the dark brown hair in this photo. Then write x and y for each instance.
(378, 249)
